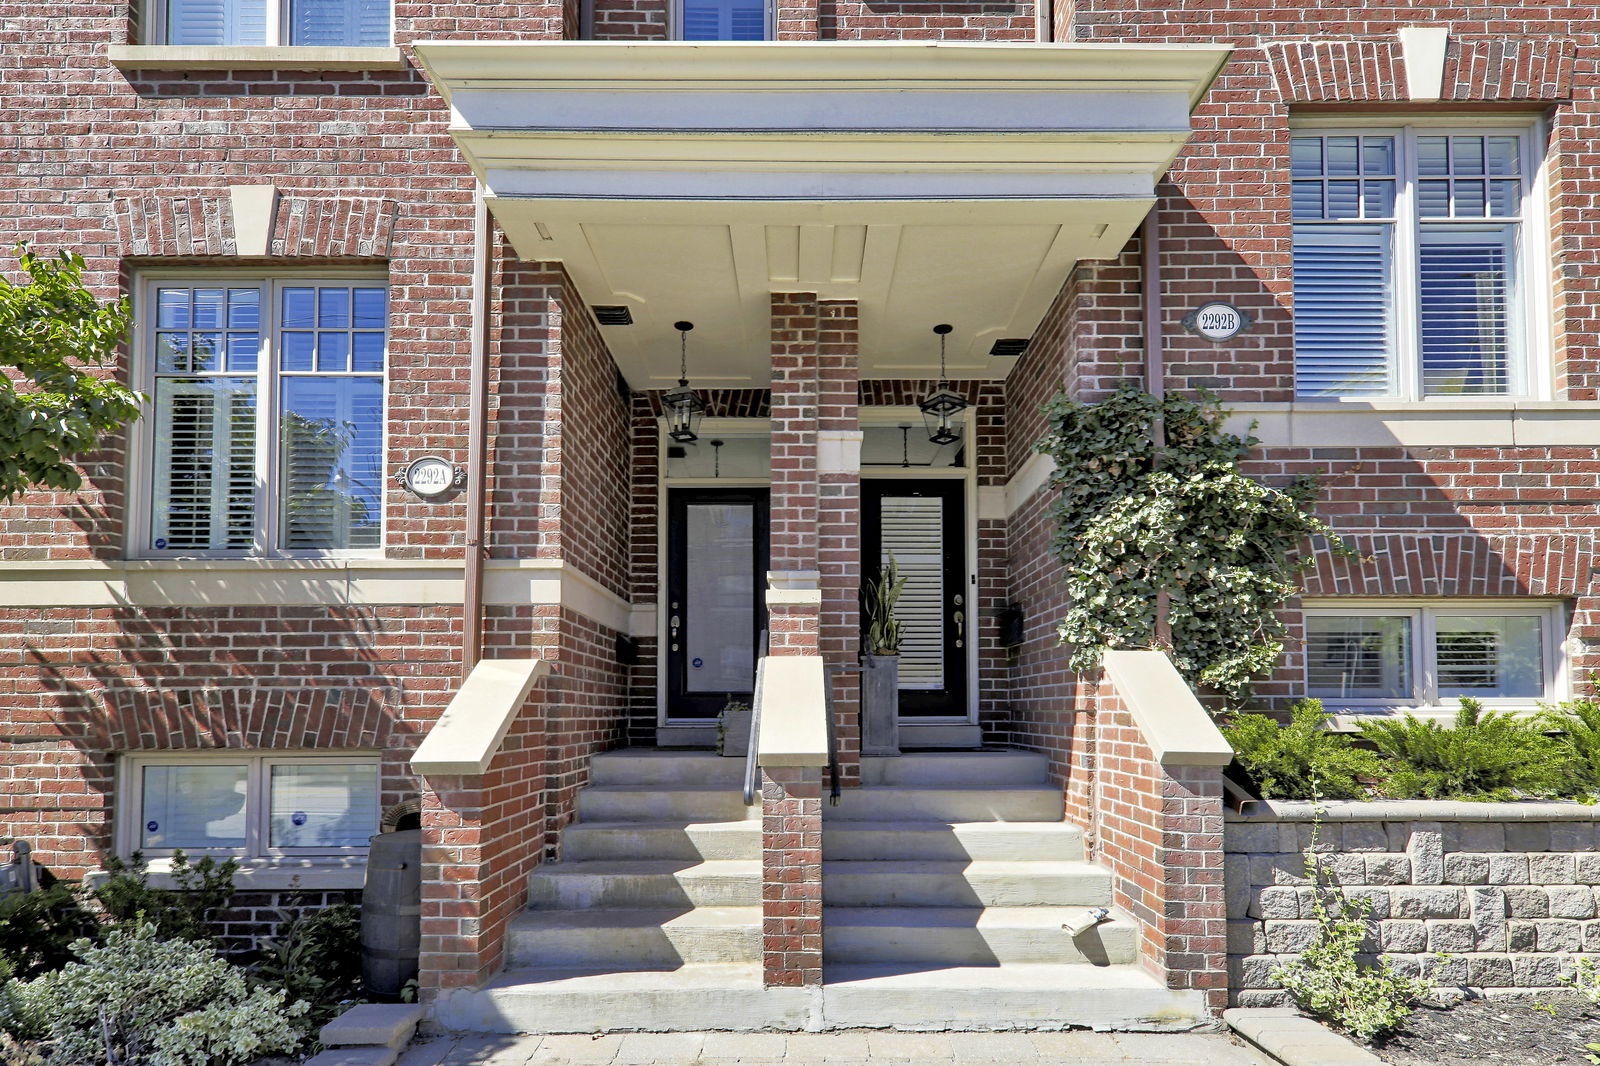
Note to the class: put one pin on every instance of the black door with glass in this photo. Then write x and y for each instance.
(716, 597)
(920, 523)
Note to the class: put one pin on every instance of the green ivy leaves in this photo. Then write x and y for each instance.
(1222, 545)
(55, 405)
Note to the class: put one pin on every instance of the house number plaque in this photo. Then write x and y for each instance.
(430, 476)
(1217, 321)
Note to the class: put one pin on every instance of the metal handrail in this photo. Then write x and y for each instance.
(833, 729)
(752, 749)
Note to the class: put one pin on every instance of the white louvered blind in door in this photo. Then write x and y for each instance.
(912, 532)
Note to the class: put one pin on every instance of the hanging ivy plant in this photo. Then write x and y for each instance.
(1225, 547)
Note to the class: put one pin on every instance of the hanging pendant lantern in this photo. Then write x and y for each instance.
(941, 409)
(683, 406)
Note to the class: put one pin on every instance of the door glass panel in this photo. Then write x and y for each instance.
(719, 597)
(912, 533)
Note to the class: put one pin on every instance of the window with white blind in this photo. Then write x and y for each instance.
(1423, 655)
(267, 434)
(311, 23)
(724, 20)
(1410, 279)
(248, 805)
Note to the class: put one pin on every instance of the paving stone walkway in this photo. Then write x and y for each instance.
(845, 1048)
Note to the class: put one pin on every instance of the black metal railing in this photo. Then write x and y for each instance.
(752, 747)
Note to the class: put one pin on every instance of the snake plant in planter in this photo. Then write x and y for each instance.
(880, 662)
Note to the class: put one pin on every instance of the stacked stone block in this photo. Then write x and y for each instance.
(1498, 898)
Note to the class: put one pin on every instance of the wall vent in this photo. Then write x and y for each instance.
(613, 315)
(1010, 347)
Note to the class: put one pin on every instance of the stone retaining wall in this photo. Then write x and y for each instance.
(1507, 893)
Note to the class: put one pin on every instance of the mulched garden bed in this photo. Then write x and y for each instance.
(1497, 1033)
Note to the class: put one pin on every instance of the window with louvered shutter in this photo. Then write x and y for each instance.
(724, 20)
(1429, 222)
(1432, 654)
(912, 533)
(315, 354)
(326, 23)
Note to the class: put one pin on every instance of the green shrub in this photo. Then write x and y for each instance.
(183, 913)
(1487, 755)
(1300, 760)
(1329, 980)
(142, 1001)
(316, 958)
(1578, 722)
(38, 928)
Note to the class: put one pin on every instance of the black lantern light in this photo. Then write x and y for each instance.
(683, 406)
(941, 410)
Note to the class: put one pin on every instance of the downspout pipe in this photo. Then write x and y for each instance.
(477, 442)
(1155, 376)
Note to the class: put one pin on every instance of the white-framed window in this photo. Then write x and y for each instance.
(1431, 654)
(722, 20)
(267, 430)
(248, 805)
(312, 23)
(1412, 271)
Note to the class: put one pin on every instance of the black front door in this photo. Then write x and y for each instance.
(921, 524)
(716, 597)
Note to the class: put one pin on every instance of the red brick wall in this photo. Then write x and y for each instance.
(1159, 831)
(791, 876)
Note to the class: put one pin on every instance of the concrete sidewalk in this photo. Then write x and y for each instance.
(845, 1048)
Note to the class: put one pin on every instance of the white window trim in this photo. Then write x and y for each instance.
(153, 28)
(675, 20)
(138, 534)
(1534, 323)
(256, 852)
(1423, 612)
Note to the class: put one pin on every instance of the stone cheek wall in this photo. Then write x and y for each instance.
(1506, 893)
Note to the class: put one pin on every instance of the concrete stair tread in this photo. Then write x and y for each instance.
(1014, 976)
(994, 867)
(933, 825)
(638, 917)
(666, 790)
(716, 825)
(1024, 803)
(1047, 919)
(997, 768)
(707, 867)
(534, 980)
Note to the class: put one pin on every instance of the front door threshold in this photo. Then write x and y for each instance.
(686, 736)
(961, 735)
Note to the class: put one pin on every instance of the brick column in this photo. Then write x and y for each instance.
(791, 876)
(839, 518)
(792, 610)
(798, 20)
(791, 797)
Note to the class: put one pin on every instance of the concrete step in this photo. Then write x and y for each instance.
(652, 803)
(654, 939)
(690, 998)
(966, 803)
(964, 884)
(996, 769)
(686, 769)
(646, 883)
(972, 936)
(661, 840)
(1023, 996)
(913, 840)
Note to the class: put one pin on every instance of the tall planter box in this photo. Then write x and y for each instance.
(880, 705)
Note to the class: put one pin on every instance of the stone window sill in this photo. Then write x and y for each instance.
(251, 57)
(326, 874)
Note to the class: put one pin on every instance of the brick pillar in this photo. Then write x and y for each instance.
(839, 518)
(793, 605)
(791, 796)
(791, 876)
(798, 20)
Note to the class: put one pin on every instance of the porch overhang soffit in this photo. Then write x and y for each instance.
(930, 182)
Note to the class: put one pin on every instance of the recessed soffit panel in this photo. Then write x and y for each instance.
(930, 182)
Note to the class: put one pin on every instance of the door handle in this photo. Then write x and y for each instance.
(959, 618)
(673, 624)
